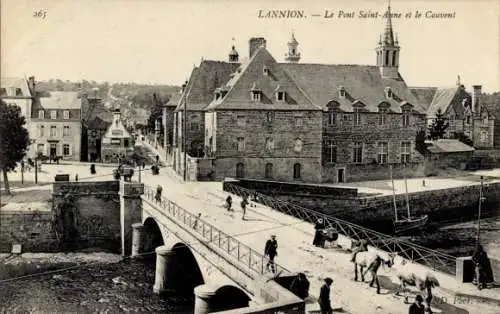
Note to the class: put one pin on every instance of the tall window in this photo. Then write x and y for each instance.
(66, 130)
(41, 131)
(240, 170)
(269, 171)
(406, 117)
(66, 150)
(66, 114)
(467, 120)
(405, 152)
(41, 114)
(53, 114)
(240, 120)
(296, 171)
(280, 96)
(269, 144)
(241, 144)
(357, 156)
(382, 117)
(194, 123)
(357, 117)
(53, 130)
(331, 151)
(269, 116)
(383, 152)
(332, 117)
(484, 136)
(298, 121)
(297, 147)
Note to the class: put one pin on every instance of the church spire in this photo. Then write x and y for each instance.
(388, 50)
(293, 55)
(388, 32)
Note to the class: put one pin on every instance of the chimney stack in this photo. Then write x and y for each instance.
(183, 88)
(476, 98)
(255, 43)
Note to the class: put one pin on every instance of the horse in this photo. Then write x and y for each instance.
(366, 258)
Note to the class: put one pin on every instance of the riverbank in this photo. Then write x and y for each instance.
(82, 283)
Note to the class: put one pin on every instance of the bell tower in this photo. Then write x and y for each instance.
(388, 50)
(233, 54)
(293, 55)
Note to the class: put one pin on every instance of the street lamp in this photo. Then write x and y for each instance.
(481, 199)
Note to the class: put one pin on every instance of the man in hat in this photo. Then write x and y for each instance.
(300, 286)
(324, 297)
(417, 307)
(271, 250)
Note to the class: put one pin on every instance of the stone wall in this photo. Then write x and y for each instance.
(377, 212)
(93, 211)
(33, 230)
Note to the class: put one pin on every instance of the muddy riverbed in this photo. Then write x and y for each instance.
(89, 286)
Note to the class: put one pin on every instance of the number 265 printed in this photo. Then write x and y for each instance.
(41, 14)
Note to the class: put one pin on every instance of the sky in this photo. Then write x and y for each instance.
(160, 41)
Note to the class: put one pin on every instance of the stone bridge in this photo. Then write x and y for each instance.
(192, 255)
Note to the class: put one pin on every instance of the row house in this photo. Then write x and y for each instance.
(55, 127)
(19, 92)
(196, 94)
(463, 111)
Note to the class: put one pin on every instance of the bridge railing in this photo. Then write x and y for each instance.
(410, 251)
(247, 256)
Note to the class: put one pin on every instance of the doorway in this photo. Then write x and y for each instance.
(341, 175)
(240, 170)
(98, 149)
(53, 150)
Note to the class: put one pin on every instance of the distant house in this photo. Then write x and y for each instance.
(117, 142)
(464, 112)
(96, 120)
(19, 92)
(449, 153)
(56, 126)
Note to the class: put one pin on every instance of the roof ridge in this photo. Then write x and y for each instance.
(329, 64)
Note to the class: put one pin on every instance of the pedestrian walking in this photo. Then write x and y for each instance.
(324, 297)
(483, 271)
(318, 235)
(300, 286)
(271, 251)
(195, 225)
(229, 203)
(159, 189)
(417, 307)
(373, 269)
(244, 203)
(76, 177)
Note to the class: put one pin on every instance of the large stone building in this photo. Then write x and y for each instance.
(303, 122)
(197, 93)
(463, 111)
(55, 126)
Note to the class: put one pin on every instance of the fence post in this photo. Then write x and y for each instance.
(238, 248)
(250, 258)
(211, 233)
(229, 245)
(262, 265)
(219, 238)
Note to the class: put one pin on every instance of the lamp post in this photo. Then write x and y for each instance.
(481, 199)
(184, 138)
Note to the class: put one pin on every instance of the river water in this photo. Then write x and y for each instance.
(121, 287)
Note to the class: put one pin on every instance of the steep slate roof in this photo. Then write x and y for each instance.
(441, 100)
(61, 100)
(203, 81)
(449, 146)
(251, 75)
(361, 82)
(424, 95)
(11, 83)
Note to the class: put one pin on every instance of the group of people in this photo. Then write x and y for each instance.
(244, 203)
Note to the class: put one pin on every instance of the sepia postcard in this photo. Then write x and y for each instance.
(290, 156)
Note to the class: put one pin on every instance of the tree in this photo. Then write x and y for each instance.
(420, 145)
(14, 139)
(438, 127)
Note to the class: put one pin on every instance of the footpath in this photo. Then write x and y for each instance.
(296, 253)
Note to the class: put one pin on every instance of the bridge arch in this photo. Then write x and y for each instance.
(228, 297)
(181, 270)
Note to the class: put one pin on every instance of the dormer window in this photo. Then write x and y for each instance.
(388, 93)
(53, 115)
(341, 92)
(66, 114)
(217, 95)
(280, 96)
(266, 70)
(256, 95)
(382, 118)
